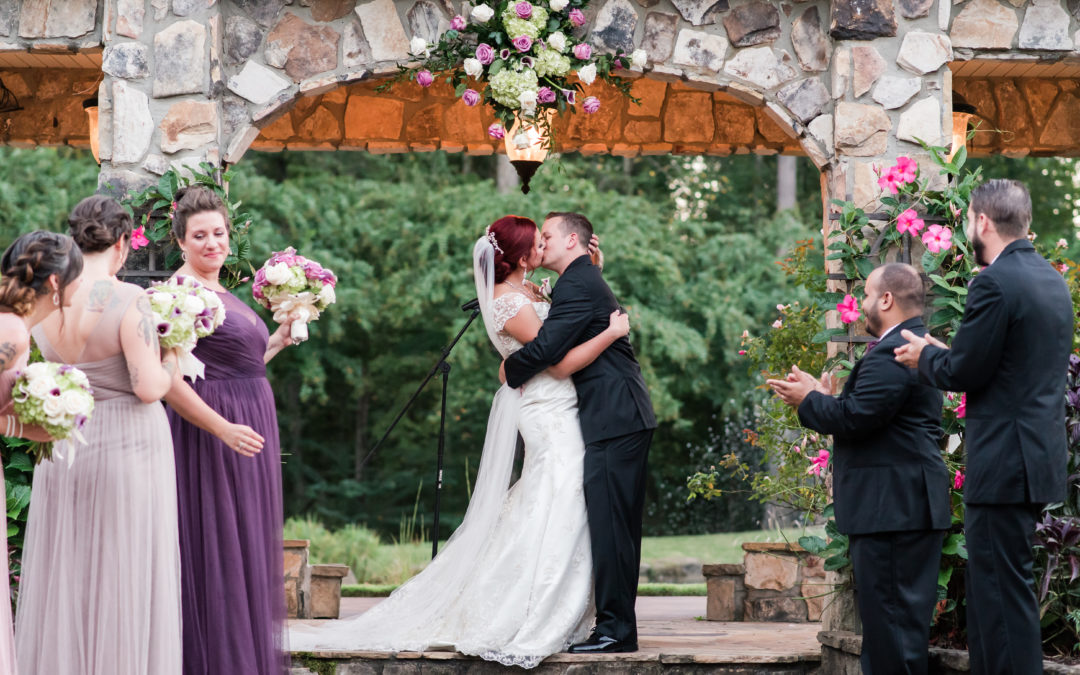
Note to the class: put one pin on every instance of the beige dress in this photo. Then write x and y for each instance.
(7, 635)
(100, 587)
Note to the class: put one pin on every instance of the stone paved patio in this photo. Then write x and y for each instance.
(670, 636)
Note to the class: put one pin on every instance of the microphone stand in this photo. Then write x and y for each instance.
(441, 366)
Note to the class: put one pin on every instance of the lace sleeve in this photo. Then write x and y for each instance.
(506, 307)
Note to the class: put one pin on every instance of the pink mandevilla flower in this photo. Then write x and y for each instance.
(958, 481)
(485, 53)
(458, 23)
(905, 170)
(909, 221)
(742, 352)
(496, 131)
(545, 95)
(818, 463)
(849, 309)
(138, 238)
(470, 97)
(582, 51)
(961, 410)
(937, 238)
(577, 17)
(522, 43)
(523, 10)
(424, 78)
(591, 104)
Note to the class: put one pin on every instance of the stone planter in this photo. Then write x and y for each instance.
(726, 592)
(783, 583)
(326, 590)
(297, 579)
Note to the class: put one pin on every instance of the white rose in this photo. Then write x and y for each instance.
(482, 13)
(557, 41)
(41, 387)
(160, 301)
(74, 402)
(558, 5)
(52, 407)
(639, 58)
(473, 67)
(587, 74)
(78, 377)
(418, 46)
(327, 295)
(193, 305)
(527, 99)
(278, 274)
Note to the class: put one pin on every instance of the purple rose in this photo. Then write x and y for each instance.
(545, 95)
(577, 17)
(522, 43)
(496, 131)
(458, 23)
(424, 78)
(523, 10)
(504, 54)
(485, 54)
(471, 97)
(570, 95)
(591, 105)
(582, 51)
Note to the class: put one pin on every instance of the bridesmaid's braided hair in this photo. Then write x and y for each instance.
(28, 263)
(98, 222)
(192, 200)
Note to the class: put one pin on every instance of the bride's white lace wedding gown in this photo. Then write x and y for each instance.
(514, 583)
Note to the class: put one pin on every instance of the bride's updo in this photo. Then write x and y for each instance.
(28, 263)
(514, 237)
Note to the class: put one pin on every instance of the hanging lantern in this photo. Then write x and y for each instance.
(962, 114)
(527, 145)
(90, 105)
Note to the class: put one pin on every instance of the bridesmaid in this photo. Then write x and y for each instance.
(39, 274)
(101, 565)
(229, 492)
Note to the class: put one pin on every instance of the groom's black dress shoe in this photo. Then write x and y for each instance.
(602, 644)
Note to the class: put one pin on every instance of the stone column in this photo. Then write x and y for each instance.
(160, 100)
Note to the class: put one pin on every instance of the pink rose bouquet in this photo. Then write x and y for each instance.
(294, 289)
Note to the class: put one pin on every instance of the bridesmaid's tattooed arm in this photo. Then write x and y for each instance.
(146, 320)
(7, 355)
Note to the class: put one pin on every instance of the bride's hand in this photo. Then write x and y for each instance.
(242, 439)
(619, 323)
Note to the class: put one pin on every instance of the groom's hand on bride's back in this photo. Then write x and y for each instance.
(594, 252)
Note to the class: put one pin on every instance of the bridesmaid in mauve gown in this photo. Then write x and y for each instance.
(230, 497)
(101, 563)
(38, 273)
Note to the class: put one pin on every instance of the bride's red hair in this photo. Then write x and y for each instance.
(515, 235)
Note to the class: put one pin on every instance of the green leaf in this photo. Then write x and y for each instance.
(496, 66)
(821, 337)
(813, 544)
(943, 577)
(953, 545)
(836, 562)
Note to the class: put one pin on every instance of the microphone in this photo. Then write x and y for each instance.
(471, 305)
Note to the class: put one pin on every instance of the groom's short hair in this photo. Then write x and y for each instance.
(574, 222)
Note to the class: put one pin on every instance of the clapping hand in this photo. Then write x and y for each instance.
(909, 354)
(798, 384)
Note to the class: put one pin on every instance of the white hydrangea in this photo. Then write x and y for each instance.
(507, 85)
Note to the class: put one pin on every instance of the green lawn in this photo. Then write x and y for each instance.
(716, 548)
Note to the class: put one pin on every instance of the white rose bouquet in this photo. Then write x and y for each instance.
(294, 288)
(184, 311)
(54, 396)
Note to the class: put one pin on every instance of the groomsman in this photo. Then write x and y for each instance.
(890, 485)
(1010, 355)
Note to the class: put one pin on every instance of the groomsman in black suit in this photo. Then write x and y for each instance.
(1010, 355)
(617, 424)
(890, 485)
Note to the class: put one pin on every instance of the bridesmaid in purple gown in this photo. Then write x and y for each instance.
(230, 501)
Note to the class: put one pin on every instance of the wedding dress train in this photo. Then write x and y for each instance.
(514, 582)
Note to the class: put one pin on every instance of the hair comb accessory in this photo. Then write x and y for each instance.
(494, 242)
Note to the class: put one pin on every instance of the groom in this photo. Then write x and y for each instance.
(617, 424)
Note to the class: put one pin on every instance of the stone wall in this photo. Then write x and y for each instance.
(52, 107)
(1021, 116)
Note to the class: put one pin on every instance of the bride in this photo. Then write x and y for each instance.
(514, 582)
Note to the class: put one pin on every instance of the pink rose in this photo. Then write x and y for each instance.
(496, 131)
(523, 10)
(471, 97)
(424, 78)
(577, 17)
(591, 104)
(545, 95)
(522, 43)
(457, 23)
(582, 51)
(485, 53)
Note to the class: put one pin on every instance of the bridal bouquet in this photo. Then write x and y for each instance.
(293, 287)
(55, 396)
(184, 311)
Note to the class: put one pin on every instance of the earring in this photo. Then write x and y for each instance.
(526, 270)
(56, 299)
(183, 255)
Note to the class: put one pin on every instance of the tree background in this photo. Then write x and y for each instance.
(691, 245)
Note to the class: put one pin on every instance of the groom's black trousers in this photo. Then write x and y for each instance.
(615, 500)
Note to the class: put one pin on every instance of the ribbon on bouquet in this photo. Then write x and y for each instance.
(190, 366)
(300, 308)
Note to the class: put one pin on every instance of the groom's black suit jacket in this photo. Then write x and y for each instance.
(888, 475)
(612, 398)
(1011, 356)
